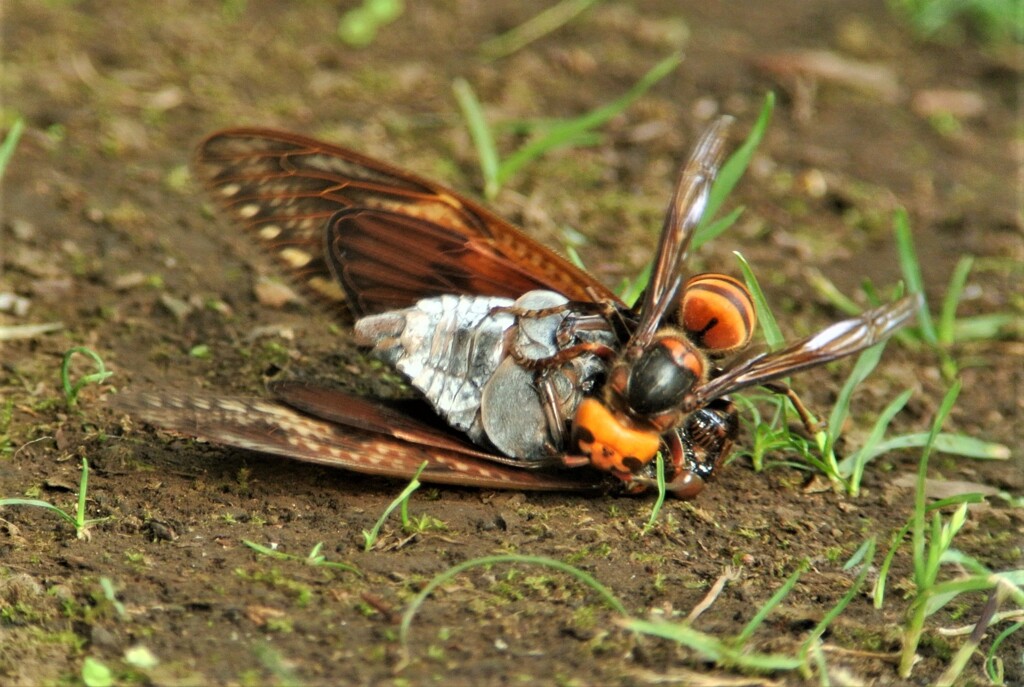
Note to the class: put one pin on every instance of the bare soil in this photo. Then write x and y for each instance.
(103, 231)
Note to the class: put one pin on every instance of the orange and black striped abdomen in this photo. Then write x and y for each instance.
(717, 312)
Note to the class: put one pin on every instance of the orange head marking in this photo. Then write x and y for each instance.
(717, 312)
(608, 442)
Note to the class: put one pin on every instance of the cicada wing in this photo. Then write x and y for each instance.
(285, 188)
(386, 261)
(275, 428)
(410, 420)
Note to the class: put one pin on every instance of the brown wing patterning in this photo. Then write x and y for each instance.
(286, 188)
(269, 427)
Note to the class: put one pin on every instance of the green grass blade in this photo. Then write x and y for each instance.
(953, 444)
(765, 319)
(71, 390)
(541, 126)
(83, 490)
(36, 503)
(709, 646)
(921, 571)
(853, 467)
(865, 365)
(827, 290)
(632, 289)
(359, 26)
(315, 558)
(993, 664)
(964, 560)
(713, 648)
(534, 28)
(878, 593)
(780, 594)
(867, 551)
(480, 132)
(110, 594)
(370, 537)
(716, 228)
(911, 269)
(883, 571)
(660, 501)
(987, 326)
(267, 551)
(78, 520)
(10, 142)
(561, 134)
(450, 573)
(732, 171)
(947, 316)
(574, 257)
(941, 594)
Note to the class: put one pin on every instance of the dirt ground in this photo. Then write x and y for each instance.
(103, 231)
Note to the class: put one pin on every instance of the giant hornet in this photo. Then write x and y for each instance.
(534, 374)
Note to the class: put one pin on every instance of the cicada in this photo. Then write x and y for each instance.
(531, 373)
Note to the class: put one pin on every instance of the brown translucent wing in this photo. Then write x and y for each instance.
(684, 215)
(277, 429)
(410, 421)
(286, 188)
(837, 341)
(386, 260)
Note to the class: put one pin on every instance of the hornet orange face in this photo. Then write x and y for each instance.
(608, 440)
(644, 397)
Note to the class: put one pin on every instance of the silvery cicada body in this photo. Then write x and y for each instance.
(532, 374)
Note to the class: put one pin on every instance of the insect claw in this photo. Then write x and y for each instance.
(684, 486)
(811, 424)
(570, 461)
